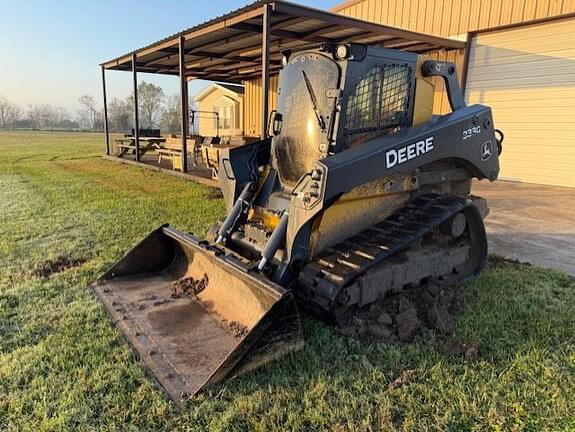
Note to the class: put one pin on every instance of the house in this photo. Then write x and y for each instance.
(520, 60)
(220, 110)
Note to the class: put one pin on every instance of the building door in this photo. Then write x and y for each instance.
(527, 75)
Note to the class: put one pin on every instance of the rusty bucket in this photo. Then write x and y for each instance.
(196, 313)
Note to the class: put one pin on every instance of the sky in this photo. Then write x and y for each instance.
(51, 49)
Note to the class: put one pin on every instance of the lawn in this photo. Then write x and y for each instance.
(63, 366)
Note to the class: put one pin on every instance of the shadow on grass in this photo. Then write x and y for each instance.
(522, 316)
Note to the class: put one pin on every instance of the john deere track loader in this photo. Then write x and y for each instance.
(359, 191)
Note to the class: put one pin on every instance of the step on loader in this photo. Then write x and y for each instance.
(359, 191)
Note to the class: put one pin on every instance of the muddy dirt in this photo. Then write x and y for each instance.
(399, 317)
(237, 329)
(189, 287)
(61, 263)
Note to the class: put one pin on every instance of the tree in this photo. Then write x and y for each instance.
(120, 113)
(89, 113)
(10, 113)
(170, 120)
(150, 101)
(46, 116)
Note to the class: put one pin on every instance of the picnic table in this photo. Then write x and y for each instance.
(128, 144)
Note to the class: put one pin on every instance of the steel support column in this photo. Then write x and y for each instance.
(183, 103)
(106, 134)
(136, 116)
(266, 27)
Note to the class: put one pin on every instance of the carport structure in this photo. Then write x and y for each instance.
(247, 43)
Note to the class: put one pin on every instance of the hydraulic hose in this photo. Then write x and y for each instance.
(242, 204)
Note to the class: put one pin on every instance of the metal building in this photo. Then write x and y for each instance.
(520, 60)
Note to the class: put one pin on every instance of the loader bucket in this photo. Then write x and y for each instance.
(195, 313)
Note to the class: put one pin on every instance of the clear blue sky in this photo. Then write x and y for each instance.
(51, 49)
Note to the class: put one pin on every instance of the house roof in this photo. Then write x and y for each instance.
(228, 48)
(236, 90)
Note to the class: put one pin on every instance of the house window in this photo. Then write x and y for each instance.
(226, 116)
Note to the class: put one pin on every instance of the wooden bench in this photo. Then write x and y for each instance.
(129, 144)
(171, 149)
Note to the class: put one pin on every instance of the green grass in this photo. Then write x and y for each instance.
(63, 366)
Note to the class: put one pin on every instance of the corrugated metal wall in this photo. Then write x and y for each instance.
(452, 18)
(527, 76)
(253, 103)
(435, 17)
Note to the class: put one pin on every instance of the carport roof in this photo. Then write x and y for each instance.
(228, 48)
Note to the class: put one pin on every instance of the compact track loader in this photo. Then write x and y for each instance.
(359, 191)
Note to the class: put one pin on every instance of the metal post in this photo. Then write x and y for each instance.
(106, 134)
(184, 105)
(136, 117)
(265, 67)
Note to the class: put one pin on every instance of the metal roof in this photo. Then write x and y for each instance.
(228, 48)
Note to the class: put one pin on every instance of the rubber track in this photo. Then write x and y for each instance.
(341, 264)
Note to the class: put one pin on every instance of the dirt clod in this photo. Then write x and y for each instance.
(380, 332)
(440, 317)
(350, 331)
(433, 289)
(427, 298)
(385, 319)
(405, 378)
(237, 329)
(160, 302)
(400, 316)
(61, 263)
(404, 304)
(374, 311)
(189, 287)
(468, 348)
(407, 324)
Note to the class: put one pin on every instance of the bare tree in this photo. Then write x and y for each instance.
(47, 116)
(9, 113)
(90, 112)
(38, 115)
(170, 120)
(150, 103)
(120, 113)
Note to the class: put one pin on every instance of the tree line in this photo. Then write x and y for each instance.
(155, 109)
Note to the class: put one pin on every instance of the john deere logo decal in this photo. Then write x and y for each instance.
(486, 150)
